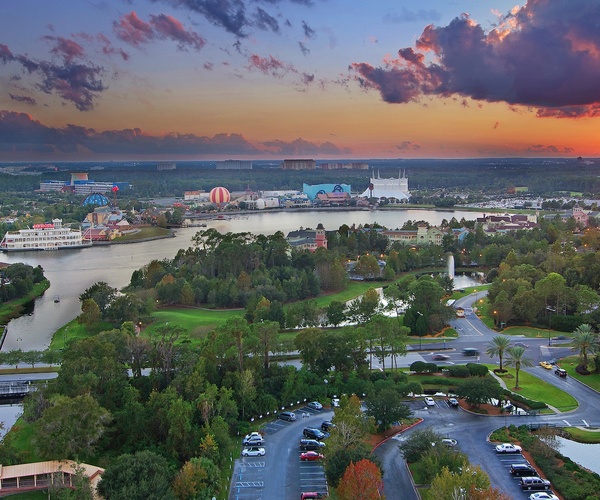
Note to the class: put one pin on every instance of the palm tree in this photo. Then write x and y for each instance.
(498, 347)
(517, 360)
(584, 341)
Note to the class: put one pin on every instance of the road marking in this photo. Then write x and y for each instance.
(249, 484)
(568, 424)
(585, 423)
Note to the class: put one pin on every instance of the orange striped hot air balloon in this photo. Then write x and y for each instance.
(219, 195)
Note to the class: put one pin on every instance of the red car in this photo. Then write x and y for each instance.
(311, 455)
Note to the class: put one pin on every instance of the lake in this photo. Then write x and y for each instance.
(73, 271)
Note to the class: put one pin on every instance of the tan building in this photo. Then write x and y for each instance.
(301, 164)
(420, 236)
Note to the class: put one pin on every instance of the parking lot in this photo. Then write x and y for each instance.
(264, 477)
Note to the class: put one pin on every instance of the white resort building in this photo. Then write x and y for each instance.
(391, 188)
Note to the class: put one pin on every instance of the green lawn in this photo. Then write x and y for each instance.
(13, 308)
(582, 435)
(353, 290)
(536, 389)
(145, 232)
(196, 322)
(592, 380)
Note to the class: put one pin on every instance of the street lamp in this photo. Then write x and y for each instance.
(420, 337)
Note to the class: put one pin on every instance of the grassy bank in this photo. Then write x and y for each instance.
(14, 308)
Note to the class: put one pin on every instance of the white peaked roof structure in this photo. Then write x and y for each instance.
(388, 188)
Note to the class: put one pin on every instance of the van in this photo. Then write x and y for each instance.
(534, 483)
(560, 372)
(310, 445)
(288, 416)
(470, 351)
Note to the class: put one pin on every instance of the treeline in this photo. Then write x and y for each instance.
(17, 280)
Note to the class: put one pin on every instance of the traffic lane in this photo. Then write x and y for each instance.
(311, 477)
(249, 478)
(397, 482)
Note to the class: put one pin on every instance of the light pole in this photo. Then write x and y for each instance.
(548, 308)
(420, 337)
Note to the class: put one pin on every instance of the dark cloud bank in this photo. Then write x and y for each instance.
(545, 55)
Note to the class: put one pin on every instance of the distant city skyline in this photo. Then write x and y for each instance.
(86, 80)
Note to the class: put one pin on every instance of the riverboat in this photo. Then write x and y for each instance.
(44, 237)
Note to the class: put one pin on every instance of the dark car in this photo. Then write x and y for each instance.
(523, 470)
(288, 416)
(453, 402)
(534, 483)
(310, 445)
(314, 433)
(560, 372)
(327, 425)
(470, 351)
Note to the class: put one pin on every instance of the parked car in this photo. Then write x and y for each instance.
(523, 470)
(429, 401)
(546, 365)
(314, 405)
(312, 494)
(288, 416)
(310, 445)
(314, 433)
(453, 402)
(327, 425)
(543, 495)
(440, 357)
(534, 483)
(311, 456)
(508, 448)
(254, 451)
(450, 443)
(335, 402)
(254, 438)
(561, 372)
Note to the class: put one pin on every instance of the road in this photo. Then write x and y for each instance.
(472, 430)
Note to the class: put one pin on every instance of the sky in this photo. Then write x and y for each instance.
(86, 80)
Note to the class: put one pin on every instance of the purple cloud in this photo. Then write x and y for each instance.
(544, 55)
(302, 147)
(133, 30)
(65, 48)
(308, 31)
(23, 98)
(270, 66)
(19, 132)
(78, 83)
(408, 146)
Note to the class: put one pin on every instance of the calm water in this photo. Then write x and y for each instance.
(72, 271)
(584, 454)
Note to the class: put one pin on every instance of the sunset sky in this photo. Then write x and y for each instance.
(324, 79)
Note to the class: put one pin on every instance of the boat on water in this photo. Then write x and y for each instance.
(51, 236)
(56, 299)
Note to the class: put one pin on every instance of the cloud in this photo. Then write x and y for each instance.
(303, 48)
(308, 31)
(265, 21)
(270, 66)
(133, 30)
(65, 48)
(408, 146)
(544, 55)
(19, 132)
(79, 83)
(23, 98)
(544, 148)
(302, 147)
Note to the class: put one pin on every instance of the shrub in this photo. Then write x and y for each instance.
(431, 368)
(459, 371)
(418, 366)
(529, 403)
(477, 370)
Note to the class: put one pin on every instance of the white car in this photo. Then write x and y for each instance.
(253, 452)
(429, 402)
(254, 438)
(335, 402)
(542, 495)
(508, 448)
(450, 443)
(315, 405)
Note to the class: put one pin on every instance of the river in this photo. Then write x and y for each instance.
(73, 271)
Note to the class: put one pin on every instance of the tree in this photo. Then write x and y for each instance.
(584, 341)
(336, 312)
(498, 348)
(102, 295)
(479, 390)
(517, 359)
(198, 479)
(142, 476)
(386, 407)
(361, 481)
(265, 335)
(419, 442)
(90, 313)
(367, 267)
(464, 485)
(70, 427)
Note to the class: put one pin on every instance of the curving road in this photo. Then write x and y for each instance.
(472, 430)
